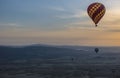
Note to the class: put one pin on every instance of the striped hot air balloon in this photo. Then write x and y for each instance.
(96, 11)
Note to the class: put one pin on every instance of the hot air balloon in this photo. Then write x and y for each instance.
(96, 50)
(96, 11)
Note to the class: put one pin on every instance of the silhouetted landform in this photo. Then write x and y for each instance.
(28, 52)
(41, 61)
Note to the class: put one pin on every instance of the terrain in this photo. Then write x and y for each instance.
(42, 61)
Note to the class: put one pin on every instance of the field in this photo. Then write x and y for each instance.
(76, 64)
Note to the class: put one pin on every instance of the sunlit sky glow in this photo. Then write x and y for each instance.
(58, 22)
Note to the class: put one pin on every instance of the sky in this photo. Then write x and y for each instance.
(58, 22)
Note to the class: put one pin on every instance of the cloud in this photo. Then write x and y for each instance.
(10, 25)
(112, 15)
(73, 14)
(70, 36)
(114, 30)
(56, 8)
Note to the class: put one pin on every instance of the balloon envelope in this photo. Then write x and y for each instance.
(96, 50)
(96, 11)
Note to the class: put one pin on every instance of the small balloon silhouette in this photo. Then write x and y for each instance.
(96, 50)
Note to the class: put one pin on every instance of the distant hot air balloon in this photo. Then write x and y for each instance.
(96, 11)
(96, 50)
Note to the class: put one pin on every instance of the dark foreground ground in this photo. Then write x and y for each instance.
(57, 69)
(54, 62)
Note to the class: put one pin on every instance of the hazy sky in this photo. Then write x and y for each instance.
(59, 22)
